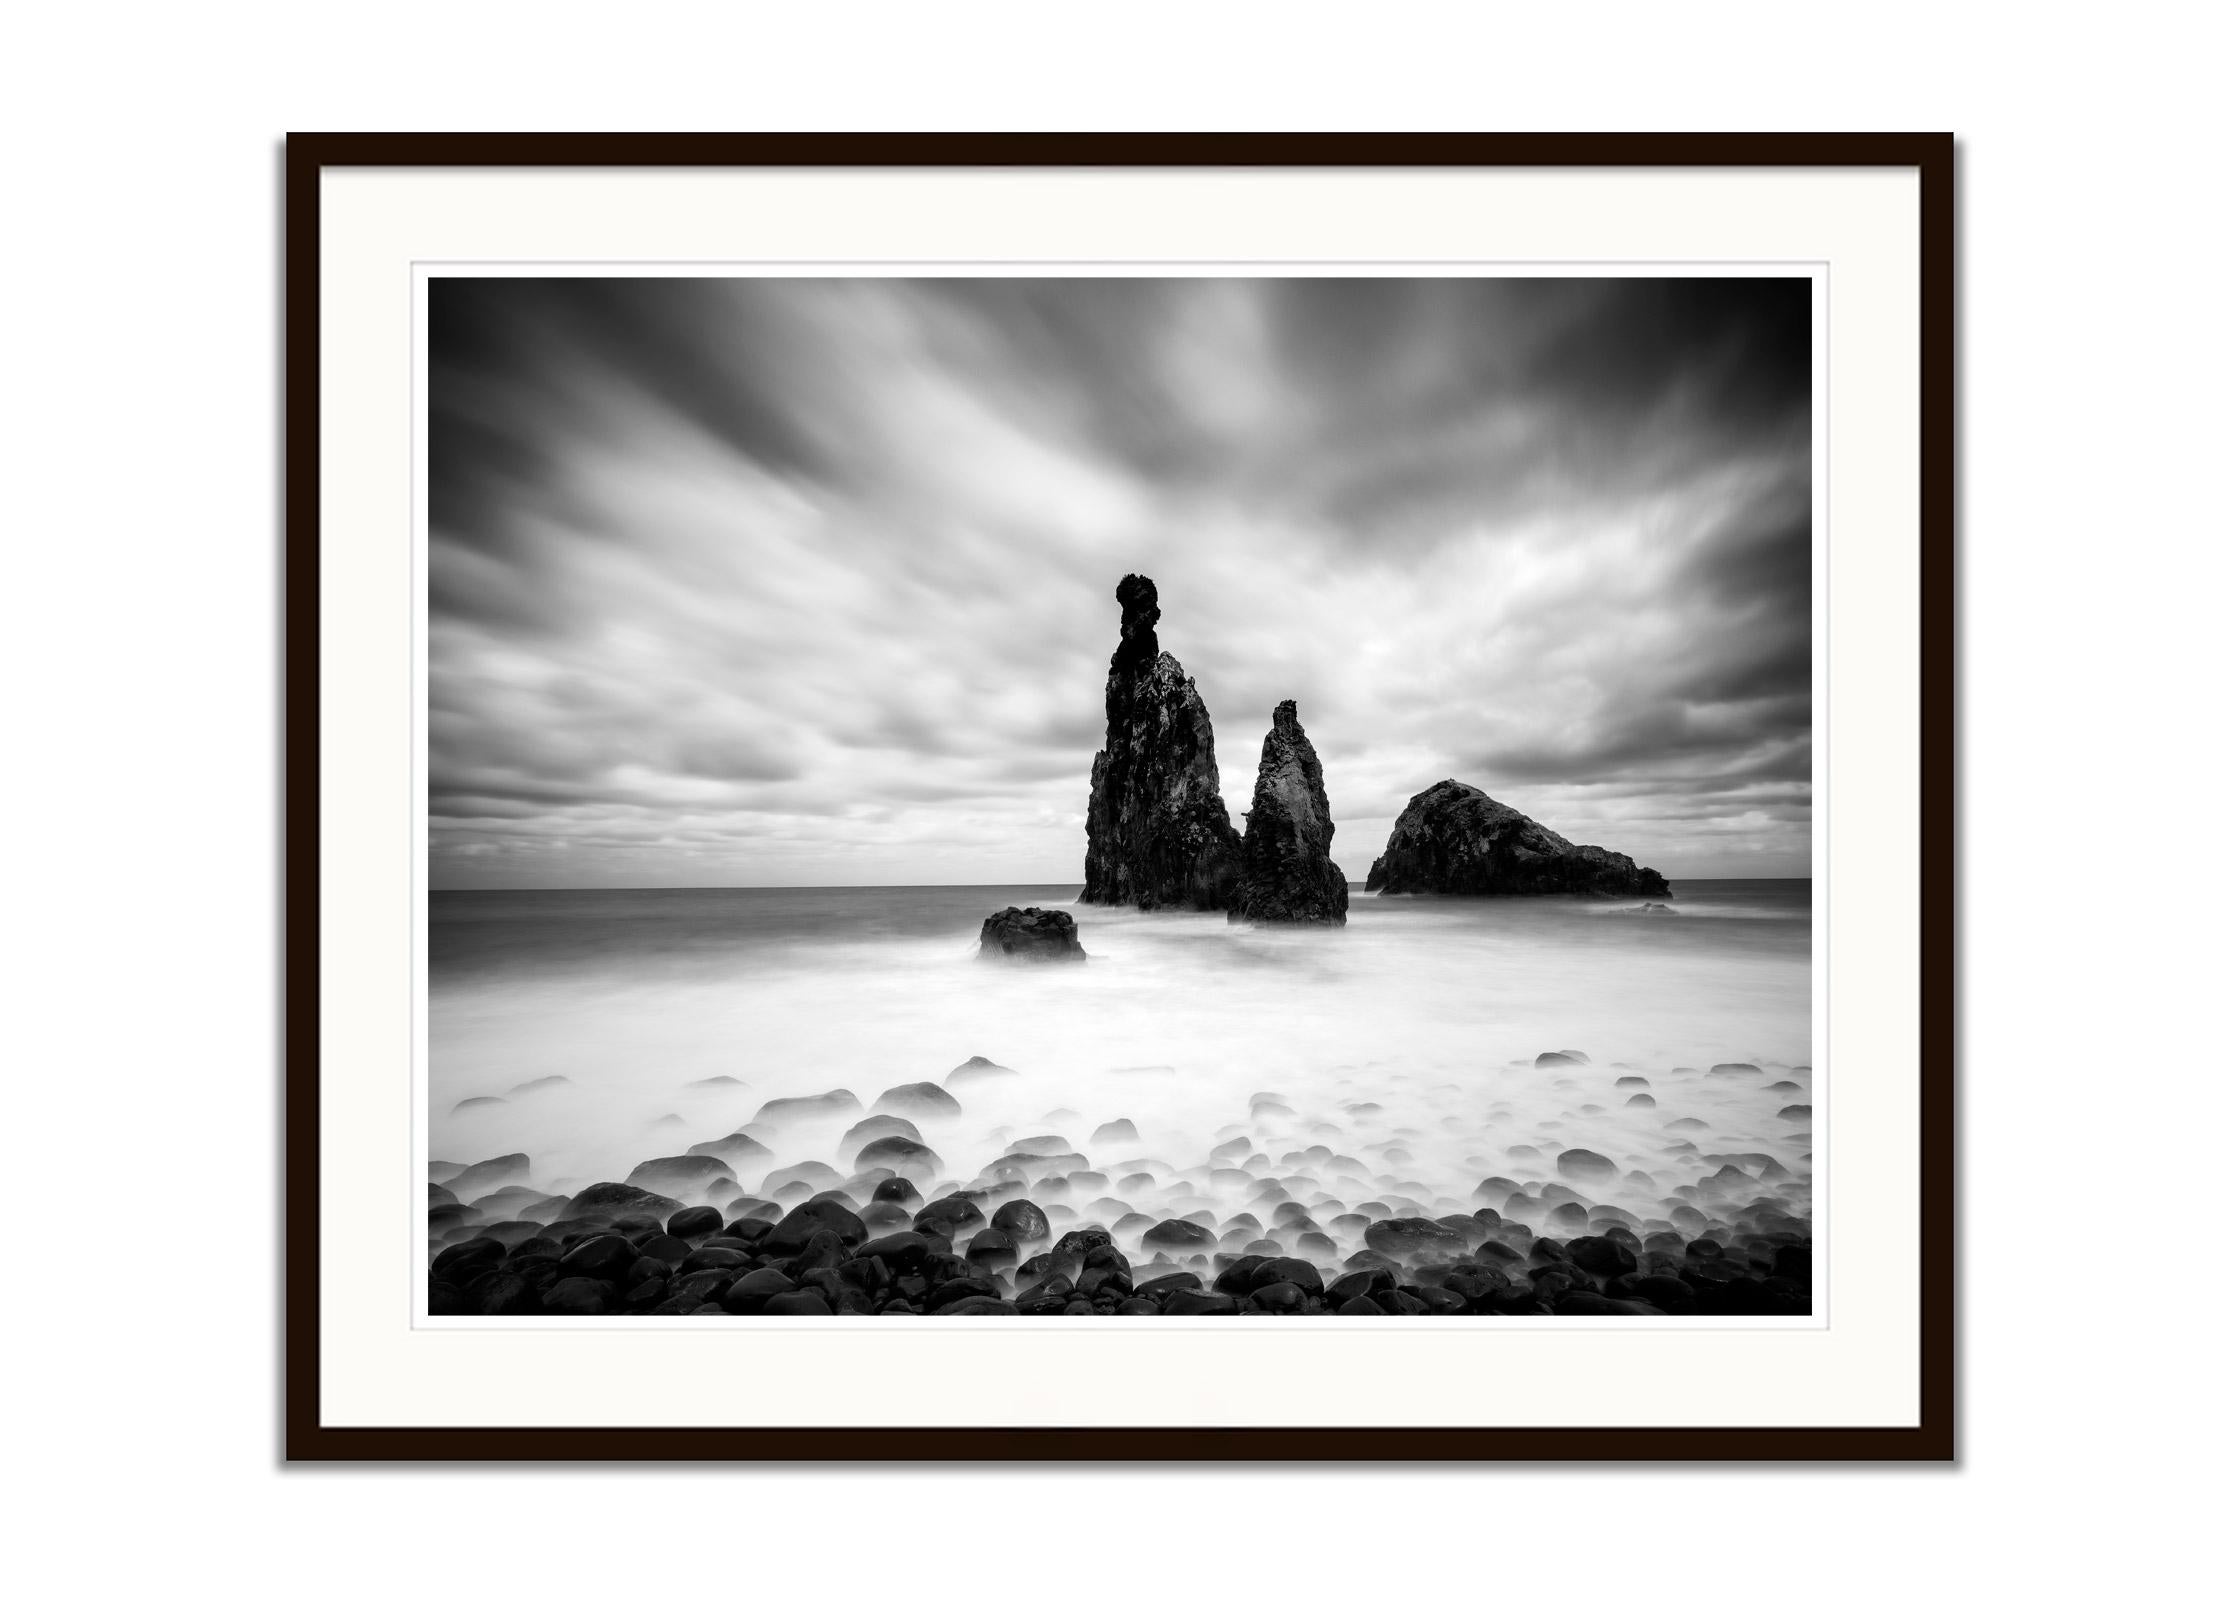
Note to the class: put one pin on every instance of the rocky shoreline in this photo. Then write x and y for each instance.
(1274, 1221)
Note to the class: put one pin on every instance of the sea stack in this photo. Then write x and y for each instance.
(1159, 836)
(1288, 875)
(1453, 839)
(1030, 935)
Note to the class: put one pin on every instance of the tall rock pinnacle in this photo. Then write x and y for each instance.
(1159, 835)
(1288, 873)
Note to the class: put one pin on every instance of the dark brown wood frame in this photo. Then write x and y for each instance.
(1931, 154)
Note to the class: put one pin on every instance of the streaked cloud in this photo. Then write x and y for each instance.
(761, 581)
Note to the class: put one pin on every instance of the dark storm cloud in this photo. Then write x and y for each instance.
(785, 580)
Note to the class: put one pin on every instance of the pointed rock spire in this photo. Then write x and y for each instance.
(1159, 835)
(1288, 874)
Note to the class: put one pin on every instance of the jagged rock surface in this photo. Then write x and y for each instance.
(1030, 935)
(1453, 839)
(1288, 875)
(1159, 835)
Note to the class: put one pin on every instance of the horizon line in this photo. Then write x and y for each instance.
(1008, 883)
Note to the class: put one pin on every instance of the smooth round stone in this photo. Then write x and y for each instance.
(798, 1303)
(693, 1221)
(579, 1297)
(1177, 1233)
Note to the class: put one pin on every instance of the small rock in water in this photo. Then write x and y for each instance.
(1407, 1235)
(1032, 934)
(898, 1154)
(921, 1099)
(794, 1108)
(677, 1176)
(693, 1221)
(1177, 1234)
(1586, 1166)
(973, 1068)
(616, 1198)
(1021, 1220)
(471, 1183)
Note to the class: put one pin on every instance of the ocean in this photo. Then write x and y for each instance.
(1428, 1012)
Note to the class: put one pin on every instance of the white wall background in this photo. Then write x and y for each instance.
(139, 399)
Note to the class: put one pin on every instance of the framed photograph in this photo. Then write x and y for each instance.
(1120, 797)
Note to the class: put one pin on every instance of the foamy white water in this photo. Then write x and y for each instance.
(1429, 1011)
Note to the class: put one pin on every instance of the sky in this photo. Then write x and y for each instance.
(739, 582)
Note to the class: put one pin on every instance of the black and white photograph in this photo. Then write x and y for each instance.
(1147, 796)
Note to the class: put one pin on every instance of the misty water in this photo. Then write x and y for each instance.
(1401, 1048)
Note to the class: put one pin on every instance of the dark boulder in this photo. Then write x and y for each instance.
(616, 1198)
(677, 1176)
(1167, 1283)
(1287, 874)
(991, 1247)
(896, 1153)
(799, 1303)
(977, 1305)
(1278, 1299)
(951, 1214)
(1367, 1281)
(458, 1263)
(751, 1291)
(795, 1108)
(603, 1255)
(733, 1150)
(1032, 934)
(506, 1294)
(1159, 835)
(1602, 1256)
(1022, 1220)
(1285, 1269)
(813, 1216)
(1667, 1294)
(1176, 1234)
(1454, 839)
(902, 1252)
(693, 1221)
(919, 1099)
(1198, 1303)
(1585, 1166)
(972, 1285)
(974, 1067)
(712, 1258)
(1399, 1236)
(813, 1173)
(471, 1183)
(882, 1126)
(579, 1297)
